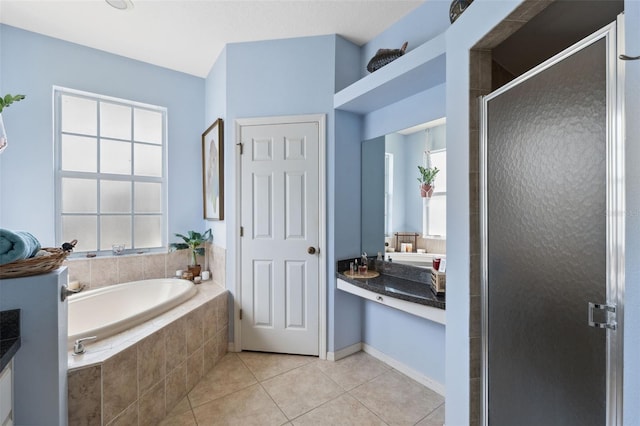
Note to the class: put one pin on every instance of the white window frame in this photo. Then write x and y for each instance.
(58, 92)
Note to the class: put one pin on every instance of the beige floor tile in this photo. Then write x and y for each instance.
(267, 365)
(436, 418)
(184, 419)
(301, 390)
(181, 407)
(396, 399)
(228, 376)
(353, 370)
(247, 407)
(344, 410)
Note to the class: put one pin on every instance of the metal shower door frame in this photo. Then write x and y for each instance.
(615, 221)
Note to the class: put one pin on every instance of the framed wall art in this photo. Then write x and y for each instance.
(213, 171)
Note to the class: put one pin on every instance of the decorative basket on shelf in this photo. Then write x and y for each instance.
(37, 265)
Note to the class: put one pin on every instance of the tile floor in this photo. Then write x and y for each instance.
(251, 388)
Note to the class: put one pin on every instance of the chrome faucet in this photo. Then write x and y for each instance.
(78, 346)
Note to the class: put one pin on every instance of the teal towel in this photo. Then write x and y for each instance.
(17, 245)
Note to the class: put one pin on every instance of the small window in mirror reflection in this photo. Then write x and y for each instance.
(388, 192)
(435, 209)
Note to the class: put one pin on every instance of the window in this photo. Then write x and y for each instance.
(110, 157)
(388, 192)
(435, 217)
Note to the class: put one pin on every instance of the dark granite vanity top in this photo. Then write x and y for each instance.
(9, 335)
(404, 282)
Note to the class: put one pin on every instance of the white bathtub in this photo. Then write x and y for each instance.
(109, 310)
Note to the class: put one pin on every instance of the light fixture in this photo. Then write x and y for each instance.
(120, 4)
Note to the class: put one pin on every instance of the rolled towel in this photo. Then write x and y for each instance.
(17, 245)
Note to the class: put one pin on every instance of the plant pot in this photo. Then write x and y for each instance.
(195, 270)
(426, 190)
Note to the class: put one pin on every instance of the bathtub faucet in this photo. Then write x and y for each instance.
(66, 292)
(78, 346)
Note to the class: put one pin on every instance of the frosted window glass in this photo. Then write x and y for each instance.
(148, 197)
(115, 157)
(79, 154)
(81, 228)
(439, 160)
(79, 196)
(79, 115)
(148, 231)
(115, 197)
(438, 215)
(115, 230)
(147, 160)
(115, 121)
(147, 126)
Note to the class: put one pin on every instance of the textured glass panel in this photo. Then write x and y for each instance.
(148, 231)
(79, 196)
(83, 229)
(79, 154)
(148, 197)
(438, 215)
(115, 157)
(147, 160)
(79, 115)
(439, 160)
(115, 121)
(546, 178)
(147, 126)
(115, 230)
(115, 197)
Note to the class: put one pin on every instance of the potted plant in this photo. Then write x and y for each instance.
(427, 176)
(5, 102)
(193, 242)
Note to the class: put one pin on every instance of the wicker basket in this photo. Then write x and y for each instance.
(35, 265)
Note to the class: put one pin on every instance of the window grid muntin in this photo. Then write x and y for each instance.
(98, 177)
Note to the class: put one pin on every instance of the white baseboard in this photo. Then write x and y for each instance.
(404, 369)
(344, 352)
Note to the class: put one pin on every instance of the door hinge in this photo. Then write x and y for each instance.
(610, 311)
(241, 145)
(242, 231)
(240, 313)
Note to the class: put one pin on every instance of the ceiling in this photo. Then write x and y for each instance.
(188, 35)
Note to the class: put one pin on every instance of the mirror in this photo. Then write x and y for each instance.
(393, 210)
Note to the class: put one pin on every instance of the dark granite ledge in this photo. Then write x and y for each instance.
(398, 287)
(9, 335)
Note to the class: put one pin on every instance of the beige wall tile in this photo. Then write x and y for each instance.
(153, 266)
(195, 368)
(475, 364)
(223, 310)
(151, 406)
(211, 356)
(151, 361)
(79, 270)
(223, 342)
(218, 266)
(104, 271)
(194, 330)
(129, 268)
(175, 343)
(176, 260)
(120, 383)
(210, 319)
(85, 396)
(176, 385)
(128, 417)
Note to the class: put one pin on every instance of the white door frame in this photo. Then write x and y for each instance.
(322, 197)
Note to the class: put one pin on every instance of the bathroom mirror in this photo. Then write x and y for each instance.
(393, 210)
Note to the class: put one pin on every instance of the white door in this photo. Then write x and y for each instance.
(280, 218)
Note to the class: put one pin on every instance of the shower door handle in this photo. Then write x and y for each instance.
(610, 324)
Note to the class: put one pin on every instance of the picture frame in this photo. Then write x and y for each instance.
(213, 171)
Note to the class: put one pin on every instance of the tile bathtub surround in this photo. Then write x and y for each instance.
(139, 376)
(108, 270)
(250, 388)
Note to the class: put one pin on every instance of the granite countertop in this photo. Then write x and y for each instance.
(403, 282)
(9, 335)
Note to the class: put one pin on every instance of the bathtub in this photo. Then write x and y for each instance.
(110, 310)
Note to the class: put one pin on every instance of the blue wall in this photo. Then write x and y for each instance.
(32, 64)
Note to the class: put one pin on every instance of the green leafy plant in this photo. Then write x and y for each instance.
(8, 100)
(427, 174)
(193, 241)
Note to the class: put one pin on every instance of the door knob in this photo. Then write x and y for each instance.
(312, 250)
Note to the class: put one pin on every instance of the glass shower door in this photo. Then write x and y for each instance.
(545, 253)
